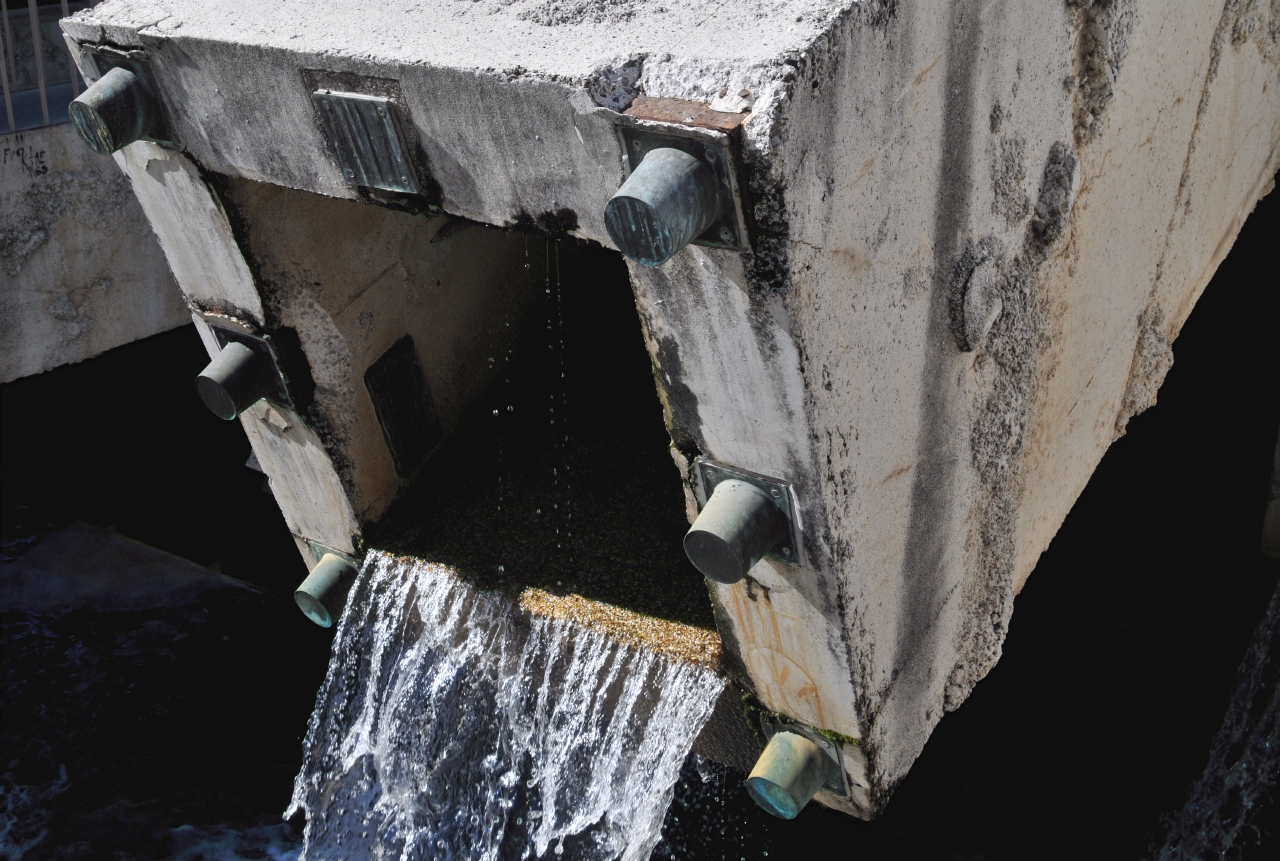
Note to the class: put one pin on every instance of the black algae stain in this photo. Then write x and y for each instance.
(553, 222)
(1011, 360)
(928, 531)
(679, 401)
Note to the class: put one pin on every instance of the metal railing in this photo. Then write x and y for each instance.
(37, 73)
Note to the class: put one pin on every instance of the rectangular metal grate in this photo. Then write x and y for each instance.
(403, 405)
(366, 141)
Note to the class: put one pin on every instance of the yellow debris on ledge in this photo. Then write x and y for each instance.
(676, 641)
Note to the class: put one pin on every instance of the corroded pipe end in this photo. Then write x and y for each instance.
(118, 109)
(737, 527)
(787, 775)
(666, 203)
(234, 381)
(324, 593)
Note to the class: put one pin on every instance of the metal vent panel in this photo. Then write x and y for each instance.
(366, 140)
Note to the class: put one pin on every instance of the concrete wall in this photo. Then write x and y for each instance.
(80, 271)
(1050, 166)
(980, 227)
(349, 280)
(976, 229)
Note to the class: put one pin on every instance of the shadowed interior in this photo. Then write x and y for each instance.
(561, 477)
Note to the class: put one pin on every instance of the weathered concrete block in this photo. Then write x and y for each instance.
(80, 272)
(975, 230)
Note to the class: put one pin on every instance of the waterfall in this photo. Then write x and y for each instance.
(455, 725)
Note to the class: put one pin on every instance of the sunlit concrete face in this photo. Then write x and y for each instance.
(975, 230)
(80, 271)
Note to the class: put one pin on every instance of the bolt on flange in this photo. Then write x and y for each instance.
(680, 189)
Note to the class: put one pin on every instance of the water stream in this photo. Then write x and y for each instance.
(453, 725)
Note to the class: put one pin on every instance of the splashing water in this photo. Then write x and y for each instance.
(454, 725)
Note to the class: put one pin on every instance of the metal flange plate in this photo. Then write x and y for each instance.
(263, 348)
(103, 59)
(318, 551)
(711, 473)
(727, 231)
(835, 780)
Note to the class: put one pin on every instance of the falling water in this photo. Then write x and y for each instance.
(453, 724)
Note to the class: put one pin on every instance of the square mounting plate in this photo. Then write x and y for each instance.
(726, 231)
(318, 551)
(262, 346)
(103, 59)
(710, 474)
(366, 140)
(836, 781)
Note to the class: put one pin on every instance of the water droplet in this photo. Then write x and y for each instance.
(495, 412)
(510, 408)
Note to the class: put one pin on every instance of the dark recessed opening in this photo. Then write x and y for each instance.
(164, 470)
(561, 477)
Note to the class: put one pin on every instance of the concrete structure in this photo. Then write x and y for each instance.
(972, 230)
(80, 270)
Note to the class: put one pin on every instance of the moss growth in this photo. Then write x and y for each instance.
(754, 712)
(837, 737)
